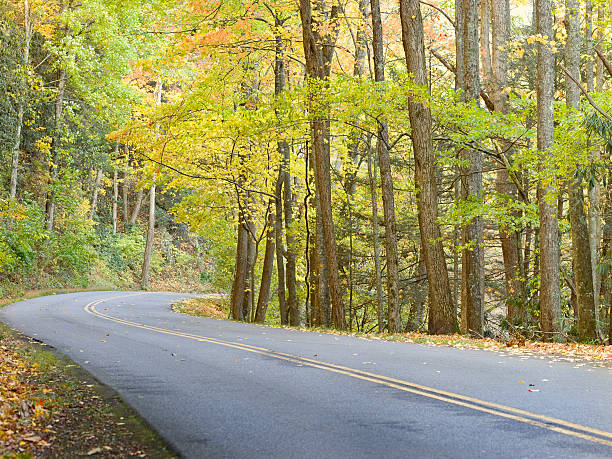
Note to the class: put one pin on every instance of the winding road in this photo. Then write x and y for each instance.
(215, 388)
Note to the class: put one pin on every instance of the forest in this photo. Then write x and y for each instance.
(366, 165)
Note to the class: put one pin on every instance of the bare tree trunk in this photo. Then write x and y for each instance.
(280, 264)
(419, 295)
(146, 264)
(600, 65)
(472, 272)
(28, 28)
(581, 250)
(485, 44)
(459, 59)
(59, 110)
(442, 313)
(594, 212)
(318, 51)
(500, 15)
(268, 267)
(374, 200)
(393, 306)
(249, 293)
(124, 188)
(241, 274)
(137, 205)
(94, 197)
(550, 293)
(293, 309)
(115, 191)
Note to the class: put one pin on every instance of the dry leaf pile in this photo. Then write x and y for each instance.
(22, 404)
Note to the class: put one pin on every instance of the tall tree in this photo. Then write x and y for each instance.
(581, 250)
(550, 293)
(319, 46)
(146, 263)
(28, 30)
(472, 272)
(500, 19)
(382, 148)
(442, 313)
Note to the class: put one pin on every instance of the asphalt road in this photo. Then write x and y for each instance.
(216, 388)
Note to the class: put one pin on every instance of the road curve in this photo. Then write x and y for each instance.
(215, 388)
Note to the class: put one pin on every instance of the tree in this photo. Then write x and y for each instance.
(550, 294)
(146, 263)
(318, 51)
(442, 318)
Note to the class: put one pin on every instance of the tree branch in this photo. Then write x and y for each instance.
(586, 93)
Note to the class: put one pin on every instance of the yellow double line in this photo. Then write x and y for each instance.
(537, 420)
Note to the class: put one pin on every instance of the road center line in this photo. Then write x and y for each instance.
(537, 420)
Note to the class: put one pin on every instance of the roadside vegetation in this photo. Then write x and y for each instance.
(51, 408)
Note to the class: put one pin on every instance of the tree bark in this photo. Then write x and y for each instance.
(28, 28)
(393, 306)
(318, 51)
(137, 206)
(240, 274)
(124, 188)
(146, 264)
(280, 264)
(94, 197)
(293, 309)
(581, 250)
(442, 313)
(372, 173)
(485, 44)
(550, 293)
(472, 272)
(115, 191)
(59, 111)
(500, 18)
(268, 267)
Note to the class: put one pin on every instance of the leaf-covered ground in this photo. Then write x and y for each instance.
(50, 408)
(564, 351)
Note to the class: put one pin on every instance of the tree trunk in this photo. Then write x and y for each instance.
(594, 212)
(485, 44)
(124, 188)
(442, 314)
(59, 111)
(94, 197)
(472, 269)
(280, 264)
(137, 205)
(146, 264)
(550, 293)
(318, 52)
(393, 310)
(372, 173)
(240, 275)
(249, 293)
(268, 267)
(500, 16)
(293, 309)
(28, 31)
(581, 250)
(115, 191)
